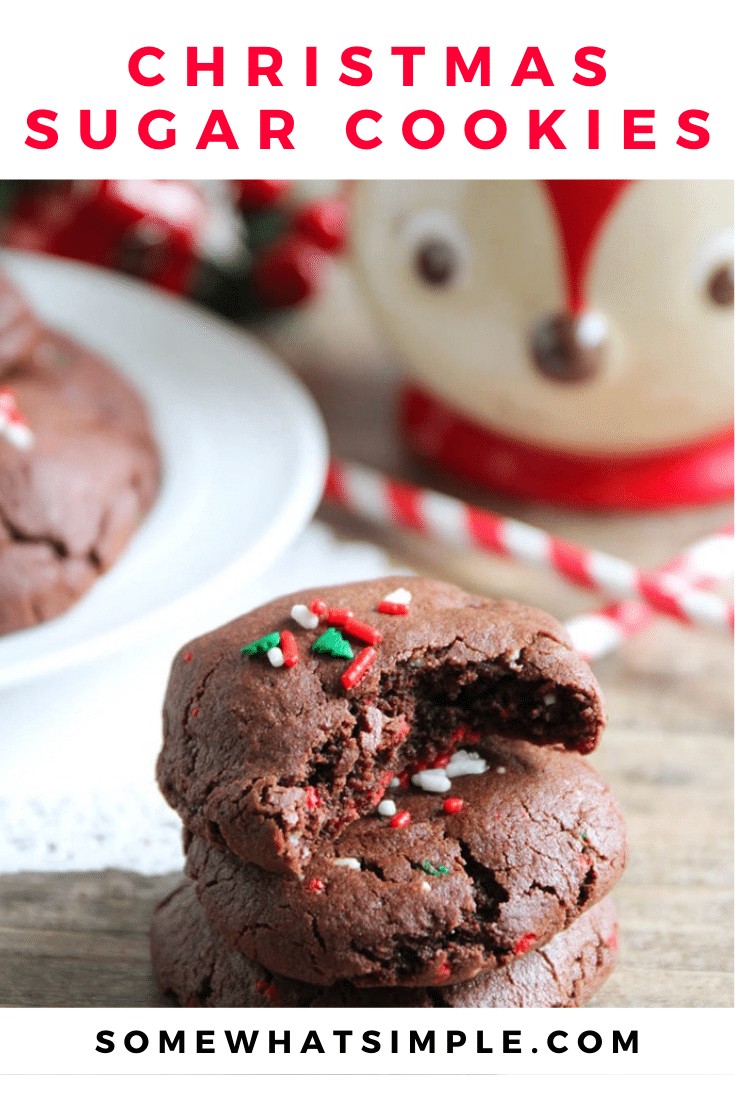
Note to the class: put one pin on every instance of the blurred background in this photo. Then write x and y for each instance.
(343, 282)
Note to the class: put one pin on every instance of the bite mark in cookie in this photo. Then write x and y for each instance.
(450, 672)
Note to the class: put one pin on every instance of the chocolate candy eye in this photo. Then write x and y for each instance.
(436, 262)
(720, 285)
(435, 250)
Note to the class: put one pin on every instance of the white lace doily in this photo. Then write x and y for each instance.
(77, 788)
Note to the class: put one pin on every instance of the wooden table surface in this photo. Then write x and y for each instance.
(80, 939)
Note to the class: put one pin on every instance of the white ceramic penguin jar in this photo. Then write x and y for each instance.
(567, 341)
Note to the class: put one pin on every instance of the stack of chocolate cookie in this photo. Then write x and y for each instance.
(386, 803)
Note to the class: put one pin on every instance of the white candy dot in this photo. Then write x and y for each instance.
(432, 780)
(304, 617)
(275, 656)
(500, 769)
(425, 886)
(386, 807)
(464, 764)
(549, 698)
(347, 862)
(398, 597)
(394, 783)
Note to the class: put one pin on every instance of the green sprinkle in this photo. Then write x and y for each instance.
(429, 868)
(332, 642)
(583, 835)
(262, 645)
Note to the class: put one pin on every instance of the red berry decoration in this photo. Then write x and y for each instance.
(324, 221)
(252, 194)
(288, 272)
(453, 804)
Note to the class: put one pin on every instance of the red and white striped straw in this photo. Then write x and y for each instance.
(387, 501)
(706, 563)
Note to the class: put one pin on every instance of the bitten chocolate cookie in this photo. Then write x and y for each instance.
(514, 856)
(194, 964)
(264, 758)
(78, 470)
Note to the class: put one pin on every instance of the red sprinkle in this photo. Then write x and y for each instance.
(318, 607)
(365, 632)
(289, 649)
(585, 861)
(404, 778)
(312, 799)
(524, 944)
(441, 761)
(315, 885)
(400, 819)
(393, 609)
(339, 615)
(194, 713)
(443, 972)
(269, 990)
(459, 734)
(355, 672)
(187, 656)
(453, 804)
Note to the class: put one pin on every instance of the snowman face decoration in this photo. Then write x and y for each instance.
(586, 318)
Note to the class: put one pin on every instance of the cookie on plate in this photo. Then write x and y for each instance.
(439, 887)
(79, 468)
(194, 964)
(263, 759)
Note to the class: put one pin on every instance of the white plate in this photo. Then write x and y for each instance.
(244, 454)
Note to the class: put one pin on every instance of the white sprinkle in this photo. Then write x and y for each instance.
(275, 656)
(464, 763)
(394, 783)
(304, 617)
(398, 597)
(425, 886)
(347, 862)
(17, 434)
(549, 698)
(387, 808)
(500, 769)
(432, 780)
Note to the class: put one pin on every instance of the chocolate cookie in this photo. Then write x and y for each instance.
(523, 850)
(194, 964)
(264, 759)
(78, 470)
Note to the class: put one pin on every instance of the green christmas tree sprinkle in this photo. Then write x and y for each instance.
(429, 868)
(262, 645)
(333, 643)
